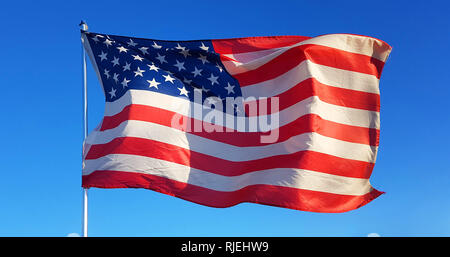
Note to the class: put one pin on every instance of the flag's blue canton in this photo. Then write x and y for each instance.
(175, 68)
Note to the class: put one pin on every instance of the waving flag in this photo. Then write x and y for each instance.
(287, 121)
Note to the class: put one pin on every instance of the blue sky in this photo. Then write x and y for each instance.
(40, 79)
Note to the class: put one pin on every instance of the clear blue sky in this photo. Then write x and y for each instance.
(40, 79)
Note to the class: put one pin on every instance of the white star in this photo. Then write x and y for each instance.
(156, 46)
(153, 67)
(125, 82)
(107, 74)
(179, 65)
(168, 78)
(219, 67)
(137, 57)
(127, 66)
(203, 47)
(161, 58)
(213, 79)
(185, 53)
(197, 72)
(236, 107)
(115, 61)
(112, 93)
(183, 91)
(153, 83)
(180, 47)
(131, 43)
(203, 59)
(108, 42)
(212, 100)
(187, 81)
(229, 88)
(103, 56)
(205, 89)
(144, 50)
(122, 49)
(139, 72)
(95, 39)
(116, 77)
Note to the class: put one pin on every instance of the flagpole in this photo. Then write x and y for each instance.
(84, 28)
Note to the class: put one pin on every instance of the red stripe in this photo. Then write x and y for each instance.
(304, 124)
(332, 95)
(298, 199)
(308, 160)
(251, 44)
(318, 54)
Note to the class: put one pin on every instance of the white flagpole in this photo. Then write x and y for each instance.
(84, 28)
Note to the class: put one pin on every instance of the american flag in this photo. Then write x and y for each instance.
(288, 121)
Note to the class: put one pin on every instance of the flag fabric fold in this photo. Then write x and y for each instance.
(287, 121)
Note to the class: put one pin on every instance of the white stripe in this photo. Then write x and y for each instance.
(335, 113)
(354, 44)
(350, 43)
(307, 141)
(294, 178)
(324, 74)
